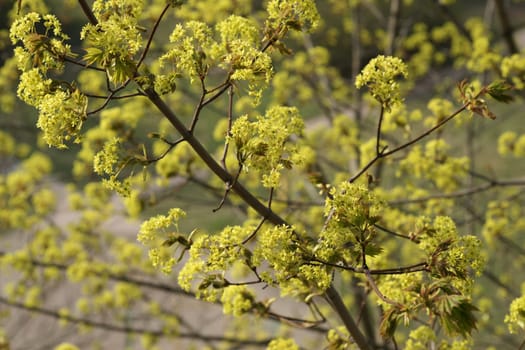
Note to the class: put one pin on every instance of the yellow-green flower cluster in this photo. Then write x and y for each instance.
(122, 118)
(306, 74)
(46, 245)
(115, 123)
(33, 87)
(66, 346)
(482, 58)
(515, 319)
(43, 51)
(241, 56)
(380, 76)
(422, 50)
(237, 300)
(420, 338)
(92, 143)
(166, 83)
(441, 230)
(22, 201)
(91, 82)
(33, 297)
(115, 39)
(151, 228)
(176, 162)
(61, 116)
(264, 144)
(8, 79)
(125, 294)
(440, 108)
(110, 161)
(236, 30)
(434, 164)
(352, 211)
(10, 149)
(62, 110)
(339, 141)
(503, 218)
(513, 67)
(190, 55)
(294, 14)
(106, 160)
(287, 256)
(126, 252)
(449, 254)
(282, 344)
(210, 257)
(62, 107)
(236, 51)
(338, 338)
(509, 143)
(399, 288)
(460, 46)
(199, 10)
(44, 201)
(155, 233)
(466, 255)
(162, 258)
(83, 269)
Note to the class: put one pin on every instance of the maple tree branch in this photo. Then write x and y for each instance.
(128, 329)
(334, 299)
(385, 153)
(88, 12)
(211, 163)
(506, 28)
(462, 193)
(153, 31)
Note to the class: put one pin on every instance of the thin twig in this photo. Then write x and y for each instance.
(165, 153)
(510, 243)
(87, 11)
(115, 97)
(104, 104)
(83, 65)
(378, 132)
(165, 287)
(247, 239)
(228, 132)
(419, 267)
(448, 14)
(462, 193)
(393, 26)
(290, 203)
(127, 329)
(395, 343)
(150, 39)
(199, 107)
(497, 281)
(381, 296)
(228, 189)
(506, 28)
(357, 95)
(371, 281)
(393, 233)
(522, 345)
(384, 154)
(334, 299)
(116, 277)
(217, 95)
(111, 95)
(299, 322)
(320, 84)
